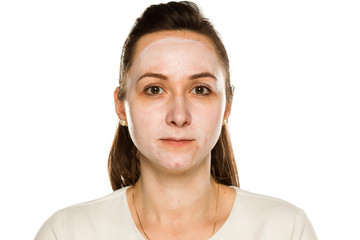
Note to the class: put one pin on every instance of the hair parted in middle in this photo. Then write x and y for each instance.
(123, 162)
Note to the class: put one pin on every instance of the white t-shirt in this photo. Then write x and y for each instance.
(253, 217)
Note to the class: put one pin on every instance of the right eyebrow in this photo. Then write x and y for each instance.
(153, 75)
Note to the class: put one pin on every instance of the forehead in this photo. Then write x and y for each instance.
(176, 37)
(168, 45)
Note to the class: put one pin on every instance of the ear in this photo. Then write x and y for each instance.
(119, 106)
(227, 111)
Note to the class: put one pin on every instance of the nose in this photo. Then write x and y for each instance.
(178, 113)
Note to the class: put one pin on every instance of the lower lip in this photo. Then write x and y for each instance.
(176, 143)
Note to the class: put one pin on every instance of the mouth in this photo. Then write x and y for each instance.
(176, 142)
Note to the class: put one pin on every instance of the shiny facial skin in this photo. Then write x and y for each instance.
(175, 100)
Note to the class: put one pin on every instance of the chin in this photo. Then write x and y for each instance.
(179, 162)
(175, 160)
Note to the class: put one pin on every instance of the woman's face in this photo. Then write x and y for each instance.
(175, 99)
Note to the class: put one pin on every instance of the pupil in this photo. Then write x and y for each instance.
(199, 90)
(155, 90)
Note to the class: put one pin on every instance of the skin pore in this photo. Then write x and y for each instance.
(174, 108)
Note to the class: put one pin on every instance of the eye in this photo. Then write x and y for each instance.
(154, 90)
(201, 90)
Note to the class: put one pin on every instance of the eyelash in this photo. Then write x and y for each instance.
(205, 87)
(148, 88)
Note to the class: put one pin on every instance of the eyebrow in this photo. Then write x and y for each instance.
(202, 75)
(153, 75)
(192, 77)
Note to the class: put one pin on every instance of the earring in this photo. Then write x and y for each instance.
(225, 121)
(123, 122)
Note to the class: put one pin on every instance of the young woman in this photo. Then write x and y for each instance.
(171, 165)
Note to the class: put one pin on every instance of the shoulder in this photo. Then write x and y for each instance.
(80, 219)
(97, 206)
(255, 214)
(265, 204)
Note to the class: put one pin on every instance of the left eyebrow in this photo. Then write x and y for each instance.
(153, 75)
(202, 75)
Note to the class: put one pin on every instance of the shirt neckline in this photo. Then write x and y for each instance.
(230, 217)
(213, 237)
(131, 220)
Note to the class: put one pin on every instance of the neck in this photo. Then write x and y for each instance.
(164, 197)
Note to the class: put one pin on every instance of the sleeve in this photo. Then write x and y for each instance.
(302, 229)
(52, 229)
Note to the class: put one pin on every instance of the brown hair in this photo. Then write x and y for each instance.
(123, 163)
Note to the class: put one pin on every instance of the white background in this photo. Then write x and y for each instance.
(294, 125)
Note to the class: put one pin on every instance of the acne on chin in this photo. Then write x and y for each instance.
(174, 165)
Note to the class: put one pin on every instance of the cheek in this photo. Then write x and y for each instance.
(208, 122)
(148, 114)
(143, 121)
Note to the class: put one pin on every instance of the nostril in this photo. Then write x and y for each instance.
(179, 123)
(175, 124)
